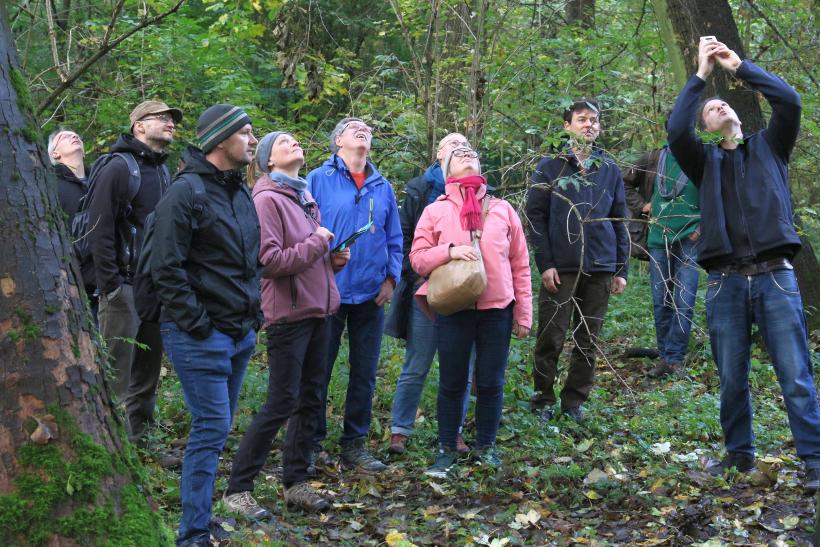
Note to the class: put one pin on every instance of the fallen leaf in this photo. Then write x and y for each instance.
(660, 448)
(596, 475)
(437, 488)
(46, 429)
(529, 518)
(584, 445)
(790, 522)
(592, 494)
(562, 459)
(356, 525)
(394, 538)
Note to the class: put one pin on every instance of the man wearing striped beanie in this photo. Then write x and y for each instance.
(204, 268)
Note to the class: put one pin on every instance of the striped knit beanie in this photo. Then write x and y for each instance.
(218, 123)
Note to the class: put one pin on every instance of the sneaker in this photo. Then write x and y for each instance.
(742, 462)
(445, 460)
(304, 496)
(356, 456)
(488, 457)
(397, 443)
(244, 504)
(812, 481)
(461, 446)
(664, 368)
(576, 413)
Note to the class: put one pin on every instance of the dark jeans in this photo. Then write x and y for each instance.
(587, 308)
(365, 323)
(136, 370)
(297, 359)
(674, 276)
(489, 330)
(772, 300)
(210, 372)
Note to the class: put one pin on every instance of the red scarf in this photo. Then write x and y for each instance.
(471, 209)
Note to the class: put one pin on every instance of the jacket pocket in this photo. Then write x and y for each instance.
(785, 281)
(713, 286)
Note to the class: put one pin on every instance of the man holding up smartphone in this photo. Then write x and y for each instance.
(747, 241)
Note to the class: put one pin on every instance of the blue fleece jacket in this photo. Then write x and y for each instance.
(374, 256)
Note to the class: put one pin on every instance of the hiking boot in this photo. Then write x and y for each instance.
(356, 456)
(488, 457)
(742, 462)
(198, 541)
(319, 460)
(664, 368)
(445, 460)
(576, 413)
(545, 414)
(244, 504)
(461, 446)
(812, 481)
(304, 496)
(218, 533)
(397, 444)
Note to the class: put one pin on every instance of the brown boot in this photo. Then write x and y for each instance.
(664, 368)
(397, 443)
(461, 446)
(304, 496)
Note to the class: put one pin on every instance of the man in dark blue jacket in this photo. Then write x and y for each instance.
(582, 259)
(351, 194)
(747, 241)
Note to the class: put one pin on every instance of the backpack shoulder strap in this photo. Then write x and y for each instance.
(485, 206)
(134, 176)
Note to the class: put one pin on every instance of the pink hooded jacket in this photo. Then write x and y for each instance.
(503, 248)
(297, 276)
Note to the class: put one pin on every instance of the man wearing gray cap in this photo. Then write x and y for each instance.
(124, 187)
(204, 265)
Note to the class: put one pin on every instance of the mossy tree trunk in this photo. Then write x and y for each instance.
(692, 19)
(67, 477)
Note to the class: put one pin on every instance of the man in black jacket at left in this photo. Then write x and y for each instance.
(204, 265)
(115, 238)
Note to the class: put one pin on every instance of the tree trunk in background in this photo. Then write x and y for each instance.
(581, 13)
(692, 19)
(67, 477)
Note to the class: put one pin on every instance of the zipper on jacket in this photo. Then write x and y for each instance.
(129, 249)
(739, 160)
(292, 293)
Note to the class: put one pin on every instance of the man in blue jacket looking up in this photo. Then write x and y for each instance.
(747, 242)
(351, 192)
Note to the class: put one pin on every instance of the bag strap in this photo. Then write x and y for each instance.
(476, 236)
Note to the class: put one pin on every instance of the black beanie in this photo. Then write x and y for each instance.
(218, 123)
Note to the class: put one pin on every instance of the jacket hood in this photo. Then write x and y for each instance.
(195, 162)
(264, 183)
(129, 143)
(434, 175)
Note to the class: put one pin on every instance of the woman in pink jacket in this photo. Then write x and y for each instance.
(443, 234)
(298, 296)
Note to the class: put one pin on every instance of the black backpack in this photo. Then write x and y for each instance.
(80, 225)
(146, 299)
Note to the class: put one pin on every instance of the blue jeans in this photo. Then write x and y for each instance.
(772, 300)
(365, 322)
(421, 348)
(674, 277)
(210, 372)
(489, 330)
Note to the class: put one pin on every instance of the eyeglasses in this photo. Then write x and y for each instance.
(465, 154)
(455, 144)
(356, 127)
(164, 118)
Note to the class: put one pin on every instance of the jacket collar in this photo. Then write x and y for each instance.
(265, 184)
(65, 173)
(337, 163)
(195, 162)
(129, 143)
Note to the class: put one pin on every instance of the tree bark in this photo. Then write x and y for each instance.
(692, 19)
(67, 476)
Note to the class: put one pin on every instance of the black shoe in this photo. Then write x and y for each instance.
(812, 481)
(576, 413)
(742, 462)
(356, 456)
(218, 533)
(199, 541)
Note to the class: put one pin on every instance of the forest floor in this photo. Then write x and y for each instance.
(632, 474)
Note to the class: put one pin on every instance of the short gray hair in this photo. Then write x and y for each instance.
(52, 142)
(338, 130)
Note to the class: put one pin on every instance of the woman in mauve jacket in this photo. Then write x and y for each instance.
(443, 234)
(299, 295)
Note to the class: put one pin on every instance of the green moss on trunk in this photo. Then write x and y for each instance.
(50, 479)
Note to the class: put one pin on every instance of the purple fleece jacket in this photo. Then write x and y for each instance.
(297, 276)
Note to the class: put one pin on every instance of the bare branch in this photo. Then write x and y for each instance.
(52, 37)
(100, 53)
